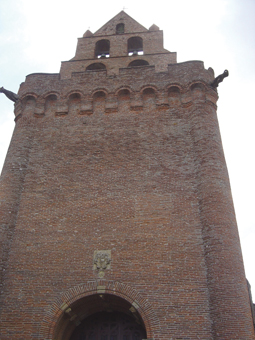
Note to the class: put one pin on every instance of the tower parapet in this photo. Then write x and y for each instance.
(83, 87)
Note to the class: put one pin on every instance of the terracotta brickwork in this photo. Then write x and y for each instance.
(152, 46)
(115, 195)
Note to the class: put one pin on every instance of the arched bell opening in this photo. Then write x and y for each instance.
(120, 28)
(135, 46)
(100, 316)
(102, 49)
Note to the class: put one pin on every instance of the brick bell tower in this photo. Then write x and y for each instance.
(117, 219)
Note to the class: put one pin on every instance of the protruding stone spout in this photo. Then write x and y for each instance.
(219, 79)
(11, 95)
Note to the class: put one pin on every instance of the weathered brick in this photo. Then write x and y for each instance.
(126, 162)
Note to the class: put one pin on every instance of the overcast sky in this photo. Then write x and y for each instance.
(35, 36)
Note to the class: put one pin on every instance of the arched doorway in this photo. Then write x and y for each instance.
(100, 317)
(109, 326)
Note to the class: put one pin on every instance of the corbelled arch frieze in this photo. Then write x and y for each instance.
(122, 88)
(73, 92)
(27, 95)
(75, 101)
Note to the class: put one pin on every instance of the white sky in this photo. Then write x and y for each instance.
(35, 36)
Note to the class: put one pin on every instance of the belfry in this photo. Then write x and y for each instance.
(117, 220)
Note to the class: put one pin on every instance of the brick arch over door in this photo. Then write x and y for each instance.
(55, 312)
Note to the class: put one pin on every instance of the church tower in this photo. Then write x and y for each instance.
(117, 220)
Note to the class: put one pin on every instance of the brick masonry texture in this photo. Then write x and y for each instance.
(128, 160)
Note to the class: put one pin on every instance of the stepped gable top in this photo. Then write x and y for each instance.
(121, 43)
(131, 26)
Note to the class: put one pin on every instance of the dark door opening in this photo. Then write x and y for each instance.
(109, 326)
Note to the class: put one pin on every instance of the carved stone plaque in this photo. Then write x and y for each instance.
(102, 261)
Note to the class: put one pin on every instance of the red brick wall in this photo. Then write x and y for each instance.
(131, 164)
